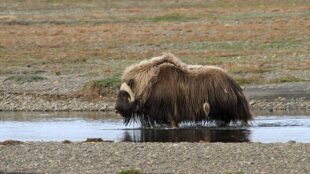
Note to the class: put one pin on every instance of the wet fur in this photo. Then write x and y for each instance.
(169, 91)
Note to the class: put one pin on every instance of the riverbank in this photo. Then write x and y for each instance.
(104, 157)
(66, 96)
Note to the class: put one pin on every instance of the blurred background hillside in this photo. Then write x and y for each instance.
(92, 41)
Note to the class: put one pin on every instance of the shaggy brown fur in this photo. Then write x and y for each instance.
(168, 91)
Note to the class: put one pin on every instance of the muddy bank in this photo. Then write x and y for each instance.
(64, 94)
(104, 157)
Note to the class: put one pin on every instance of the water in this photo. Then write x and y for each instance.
(108, 126)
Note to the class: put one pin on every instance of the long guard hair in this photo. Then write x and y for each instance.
(167, 91)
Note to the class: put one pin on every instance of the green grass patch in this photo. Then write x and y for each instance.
(286, 79)
(38, 72)
(130, 171)
(57, 73)
(25, 78)
(111, 82)
(285, 44)
(247, 80)
(213, 46)
(171, 18)
(96, 88)
(239, 172)
(33, 72)
(240, 69)
(250, 15)
(64, 1)
(220, 45)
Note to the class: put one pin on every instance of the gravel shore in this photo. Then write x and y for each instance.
(104, 157)
(61, 96)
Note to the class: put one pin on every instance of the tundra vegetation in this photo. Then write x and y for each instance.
(129, 171)
(257, 42)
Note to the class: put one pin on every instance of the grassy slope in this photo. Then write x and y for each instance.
(256, 41)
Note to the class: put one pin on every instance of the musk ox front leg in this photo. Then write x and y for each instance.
(173, 122)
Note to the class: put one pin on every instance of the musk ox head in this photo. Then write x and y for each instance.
(125, 100)
(137, 83)
(164, 90)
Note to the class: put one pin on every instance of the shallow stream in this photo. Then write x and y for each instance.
(78, 126)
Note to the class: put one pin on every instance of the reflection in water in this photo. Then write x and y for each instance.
(187, 135)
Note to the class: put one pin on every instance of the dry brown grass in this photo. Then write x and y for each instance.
(100, 38)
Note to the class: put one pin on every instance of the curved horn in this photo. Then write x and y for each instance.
(125, 87)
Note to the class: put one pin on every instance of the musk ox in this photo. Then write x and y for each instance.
(165, 91)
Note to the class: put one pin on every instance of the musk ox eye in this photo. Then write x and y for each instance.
(131, 82)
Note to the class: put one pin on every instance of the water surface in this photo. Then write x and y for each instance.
(77, 126)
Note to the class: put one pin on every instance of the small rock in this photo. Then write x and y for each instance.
(66, 141)
(10, 142)
(252, 102)
(94, 140)
(88, 140)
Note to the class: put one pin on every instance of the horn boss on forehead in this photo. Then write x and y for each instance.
(164, 90)
(126, 88)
